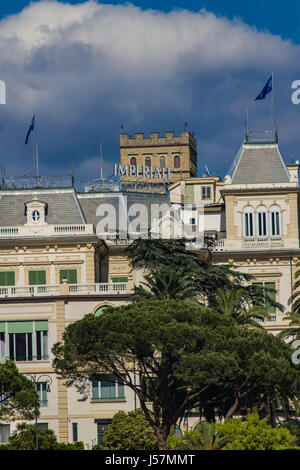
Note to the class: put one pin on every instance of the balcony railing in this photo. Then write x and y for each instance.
(113, 288)
(262, 242)
(46, 230)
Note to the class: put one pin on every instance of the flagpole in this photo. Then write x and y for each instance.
(273, 107)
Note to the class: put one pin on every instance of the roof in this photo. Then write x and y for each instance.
(62, 206)
(260, 163)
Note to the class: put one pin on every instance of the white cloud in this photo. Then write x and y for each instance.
(88, 68)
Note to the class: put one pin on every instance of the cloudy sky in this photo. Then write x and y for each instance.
(86, 68)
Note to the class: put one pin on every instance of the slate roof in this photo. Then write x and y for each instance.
(90, 202)
(260, 163)
(63, 207)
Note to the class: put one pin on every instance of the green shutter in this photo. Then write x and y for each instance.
(189, 194)
(7, 278)
(272, 295)
(20, 327)
(41, 325)
(119, 279)
(37, 278)
(108, 389)
(2, 326)
(69, 274)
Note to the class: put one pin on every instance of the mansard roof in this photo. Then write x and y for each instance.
(63, 207)
(260, 162)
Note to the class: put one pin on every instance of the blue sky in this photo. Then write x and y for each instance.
(86, 68)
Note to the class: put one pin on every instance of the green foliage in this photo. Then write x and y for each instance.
(79, 445)
(18, 398)
(24, 438)
(204, 277)
(233, 304)
(255, 434)
(204, 437)
(130, 431)
(166, 283)
(187, 356)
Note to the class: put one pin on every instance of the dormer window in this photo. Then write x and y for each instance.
(36, 216)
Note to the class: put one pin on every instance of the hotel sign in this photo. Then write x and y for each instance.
(142, 171)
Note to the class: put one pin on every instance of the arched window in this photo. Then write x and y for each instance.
(148, 162)
(261, 221)
(275, 225)
(162, 162)
(176, 161)
(133, 161)
(248, 222)
(100, 310)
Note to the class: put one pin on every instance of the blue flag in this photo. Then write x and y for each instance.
(266, 89)
(31, 127)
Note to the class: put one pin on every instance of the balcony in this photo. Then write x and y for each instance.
(46, 230)
(263, 242)
(109, 288)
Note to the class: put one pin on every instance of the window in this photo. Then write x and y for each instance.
(4, 433)
(42, 426)
(192, 221)
(119, 279)
(37, 278)
(248, 222)
(100, 310)
(7, 278)
(261, 222)
(24, 340)
(41, 388)
(69, 274)
(275, 221)
(107, 389)
(133, 161)
(206, 192)
(148, 162)
(75, 431)
(271, 295)
(35, 216)
(101, 426)
(176, 161)
(162, 161)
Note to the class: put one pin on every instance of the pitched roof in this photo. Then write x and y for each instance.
(63, 207)
(260, 163)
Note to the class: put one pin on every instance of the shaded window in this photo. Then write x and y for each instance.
(148, 162)
(107, 388)
(22, 336)
(100, 310)
(206, 192)
(42, 389)
(162, 161)
(133, 161)
(248, 223)
(69, 274)
(75, 431)
(275, 221)
(101, 426)
(261, 222)
(176, 161)
(4, 433)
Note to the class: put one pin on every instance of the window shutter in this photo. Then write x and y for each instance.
(119, 279)
(37, 278)
(69, 274)
(189, 194)
(7, 278)
(272, 295)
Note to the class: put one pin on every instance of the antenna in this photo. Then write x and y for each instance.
(185, 125)
(207, 170)
(101, 163)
